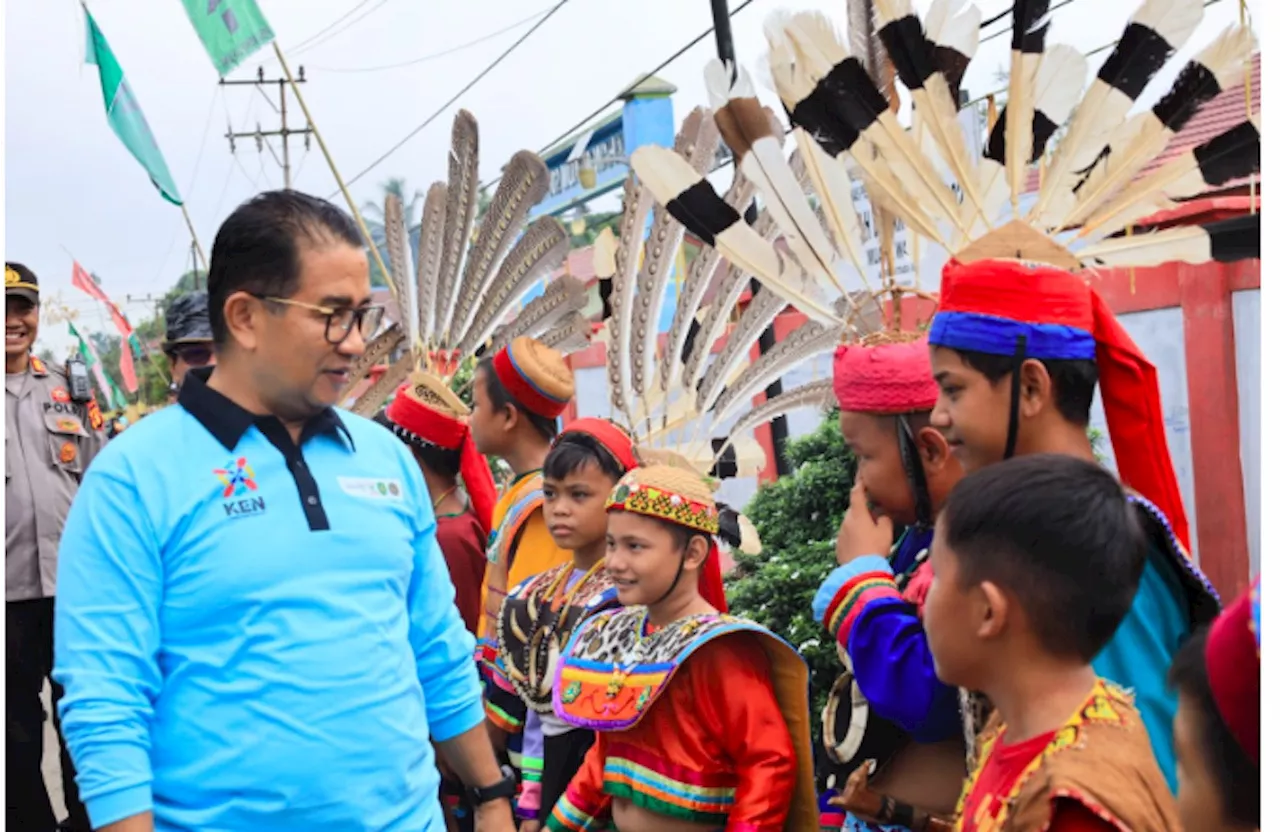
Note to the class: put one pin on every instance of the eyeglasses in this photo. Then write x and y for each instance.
(339, 322)
(194, 356)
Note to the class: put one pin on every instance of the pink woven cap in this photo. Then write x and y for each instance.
(888, 378)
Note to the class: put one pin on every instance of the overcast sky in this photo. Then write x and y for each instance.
(70, 185)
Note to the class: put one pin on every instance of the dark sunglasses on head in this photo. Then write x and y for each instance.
(194, 356)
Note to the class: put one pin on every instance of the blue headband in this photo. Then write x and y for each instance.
(971, 332)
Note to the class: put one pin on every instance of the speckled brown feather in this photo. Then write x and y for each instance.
(397, 240)
(565, 294)
(636, 202)
(460, 211)
(760, 312)
(540, 251)
(525, 182)
(430, 251)
(374, 352)
(381, 390)
(808, 341)
(570, 334)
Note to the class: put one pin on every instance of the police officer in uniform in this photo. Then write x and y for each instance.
(53, 428)
(188, 338)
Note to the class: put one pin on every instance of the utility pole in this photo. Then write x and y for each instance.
(260, 136)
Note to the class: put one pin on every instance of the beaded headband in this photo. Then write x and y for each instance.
(663, 504)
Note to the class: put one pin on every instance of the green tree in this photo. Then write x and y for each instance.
(798, 518)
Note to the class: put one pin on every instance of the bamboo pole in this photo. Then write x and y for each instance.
(342, 186)
(195, 240)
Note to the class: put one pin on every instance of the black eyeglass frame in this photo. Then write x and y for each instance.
(367, 318)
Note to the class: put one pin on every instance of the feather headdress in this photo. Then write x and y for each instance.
(459, 299)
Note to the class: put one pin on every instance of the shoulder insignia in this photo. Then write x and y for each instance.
(39, 367)
(95, 415)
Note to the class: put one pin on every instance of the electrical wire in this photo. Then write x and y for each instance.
(445, 106)
(303, 43)
(299, 50)
(434, 55)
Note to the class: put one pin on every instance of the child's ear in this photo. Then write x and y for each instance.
(696, 554)
(1036, 389)
(995, 610)
(510, 417)
(933, 448)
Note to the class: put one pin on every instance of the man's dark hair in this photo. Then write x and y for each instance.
(1059, 535)
(257, 247)
(575, 451)
(1238, 780)
(500, 398)
(1073, 381)
(440, 461)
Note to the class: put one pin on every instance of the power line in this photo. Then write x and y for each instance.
(493, 65)
(325, 39)
(434, 55)
(302, 43)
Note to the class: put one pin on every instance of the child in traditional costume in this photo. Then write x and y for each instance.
(586, 461)
(432, 421)
(1036, 561)
(702, 717)
(1217, 676)
(1019, 339)
(518, 395)
(889, 712)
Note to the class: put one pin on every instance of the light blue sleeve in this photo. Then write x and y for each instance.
(106, 639)
(443, 647)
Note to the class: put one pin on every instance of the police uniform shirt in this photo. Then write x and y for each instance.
(258, 634)
(48, 443)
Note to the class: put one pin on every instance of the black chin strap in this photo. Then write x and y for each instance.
(915, 472)
(684, 553)
(1015, 395)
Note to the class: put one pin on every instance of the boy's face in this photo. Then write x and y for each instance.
(641, 558)
(1199, 802)
(488, 425)
(874, 441)
(972, 413)
(574, 507)
(955, 617)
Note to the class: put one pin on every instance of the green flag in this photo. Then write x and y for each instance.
(110, 392)
(231, 30)
(124, 115)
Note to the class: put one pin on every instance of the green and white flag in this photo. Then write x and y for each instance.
(231, 30)
(110, 392)
(123, 113)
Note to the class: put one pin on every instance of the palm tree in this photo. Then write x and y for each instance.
(394, 186)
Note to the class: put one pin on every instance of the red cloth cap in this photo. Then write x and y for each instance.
(444, 431)
(1233, 662)
(610, 436)
(1127, 380)
(536, 376)
(886, 378)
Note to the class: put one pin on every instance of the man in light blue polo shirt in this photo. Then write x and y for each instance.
(255, 627)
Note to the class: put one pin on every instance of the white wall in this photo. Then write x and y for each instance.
(1159, 334)
(1246, 307)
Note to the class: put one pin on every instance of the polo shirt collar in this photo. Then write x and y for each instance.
(228, 421)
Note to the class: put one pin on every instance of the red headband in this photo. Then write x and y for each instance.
(441, 430)
(1059, 306)
(887, 378)
(1233, 662)
(612, 438)
(518, 383)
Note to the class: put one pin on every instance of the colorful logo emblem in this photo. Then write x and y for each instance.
(60, 394)
(67, 453)
(236, 478)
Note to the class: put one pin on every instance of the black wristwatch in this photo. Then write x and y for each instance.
(504, 789)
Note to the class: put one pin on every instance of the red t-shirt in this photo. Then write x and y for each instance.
(462, 541)
(1000, 775)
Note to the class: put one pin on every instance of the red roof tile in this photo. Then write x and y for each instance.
(1225, 111)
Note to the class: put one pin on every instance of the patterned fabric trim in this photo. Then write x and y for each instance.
(502, 719)
(611, 673)
(1092, 805)
(652, 501)
(1202, 598)
(529, 498)
(534, 628)
(566, 817)
(668, 789)
(1098, 708)
(852, 599)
